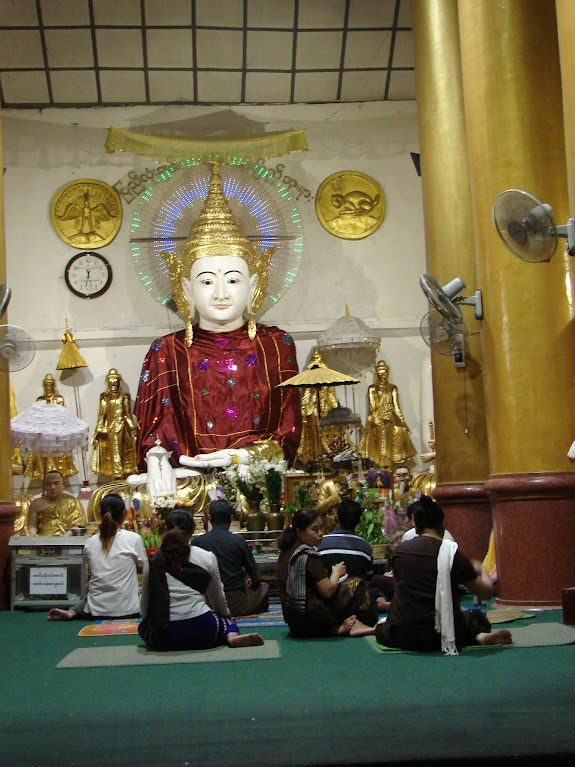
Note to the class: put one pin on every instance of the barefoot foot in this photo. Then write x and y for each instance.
(501, 636)
(345, 627)
(245, 640)
(56, 614)
(361, 630)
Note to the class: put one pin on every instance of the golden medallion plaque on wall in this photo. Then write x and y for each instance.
(350, 205)
(86, 213)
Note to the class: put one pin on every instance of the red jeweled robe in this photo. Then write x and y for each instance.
(219, 393)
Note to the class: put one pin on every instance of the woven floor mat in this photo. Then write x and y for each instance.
(534, 635)
(138, 655)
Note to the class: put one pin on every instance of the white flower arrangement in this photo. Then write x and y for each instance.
(251, 479)
(166, 501)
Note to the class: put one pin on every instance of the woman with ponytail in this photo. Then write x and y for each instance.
(175, 594)
(425, 614)
(115, 557)
(315, 603)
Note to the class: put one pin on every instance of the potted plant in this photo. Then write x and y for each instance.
(369, 528)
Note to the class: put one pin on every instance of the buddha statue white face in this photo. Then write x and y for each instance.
(221, 289)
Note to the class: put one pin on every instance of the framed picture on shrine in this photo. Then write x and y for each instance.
(296, 482)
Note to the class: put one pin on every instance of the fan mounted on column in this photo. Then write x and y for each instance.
(443, 328)
(526, 226)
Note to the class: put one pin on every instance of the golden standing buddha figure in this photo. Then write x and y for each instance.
(386, 435)
(115, 433)
(315, 441)
(38, 465)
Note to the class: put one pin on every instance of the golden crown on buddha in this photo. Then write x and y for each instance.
(217, 232)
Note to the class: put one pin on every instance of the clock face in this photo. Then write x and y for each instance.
(88, 275)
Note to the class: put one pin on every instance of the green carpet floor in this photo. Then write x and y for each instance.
(325, 701)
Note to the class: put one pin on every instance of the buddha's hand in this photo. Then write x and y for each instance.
(571, 453)
(216, 460)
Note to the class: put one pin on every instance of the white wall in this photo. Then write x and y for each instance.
(377, 277)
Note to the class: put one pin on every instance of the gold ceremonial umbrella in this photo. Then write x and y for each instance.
(316, 375)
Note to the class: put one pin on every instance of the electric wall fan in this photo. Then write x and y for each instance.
(448, 298)
(444, 336)
(443, 328)
(526, 226)
(17, 347)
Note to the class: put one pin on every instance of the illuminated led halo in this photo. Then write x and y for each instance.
(167, 209)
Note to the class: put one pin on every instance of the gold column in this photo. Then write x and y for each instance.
(458, 400)
(512, 92)
(566, 29)
(8, 511)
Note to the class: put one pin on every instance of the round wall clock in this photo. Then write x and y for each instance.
(88, 275)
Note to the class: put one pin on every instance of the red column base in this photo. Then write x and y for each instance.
(8, 513)
(534, 524)
(467, 509)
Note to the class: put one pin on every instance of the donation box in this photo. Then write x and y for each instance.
(47, 571)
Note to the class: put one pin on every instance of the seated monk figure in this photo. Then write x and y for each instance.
(209, 392)
(55, 512)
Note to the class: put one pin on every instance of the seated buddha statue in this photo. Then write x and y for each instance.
(386, 436)
(209, 392)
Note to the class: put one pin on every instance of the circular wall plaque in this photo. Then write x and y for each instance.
(86, 213)
(88, 275)
(350, 205)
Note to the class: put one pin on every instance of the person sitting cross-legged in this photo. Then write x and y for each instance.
(234, 560)
(181, 578)
(425, 614)
(114, 559)
(316, 603)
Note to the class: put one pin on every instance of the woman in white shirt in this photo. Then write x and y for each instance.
(176, 614)
(114, 557)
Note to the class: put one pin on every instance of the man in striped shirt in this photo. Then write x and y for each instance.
(343, 545)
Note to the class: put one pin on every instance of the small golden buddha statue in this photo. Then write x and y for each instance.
(51, 395)
(17, 462)
(315, 441)
(37, 464)
(115, 433)
(386, 435)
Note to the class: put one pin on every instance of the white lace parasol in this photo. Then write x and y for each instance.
(348, 333)
(47, 429)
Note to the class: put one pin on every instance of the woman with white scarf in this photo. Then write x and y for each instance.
(425, 614)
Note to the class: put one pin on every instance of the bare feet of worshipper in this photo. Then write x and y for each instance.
(501, 636)
(345, 627)
(57, 614)
(359, 629)
(244, 640)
